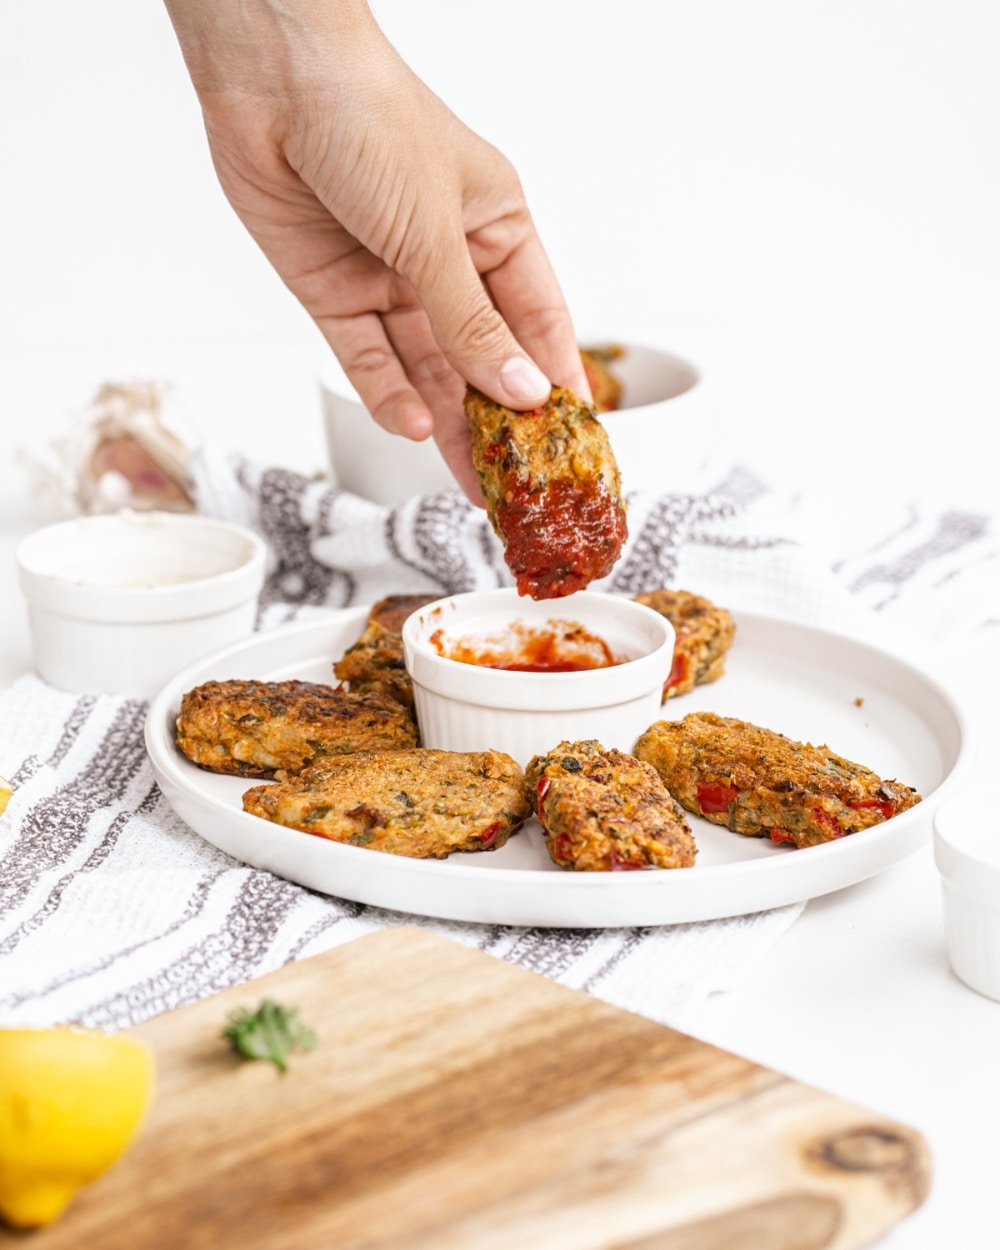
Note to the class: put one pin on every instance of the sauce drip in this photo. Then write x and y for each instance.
(556, 647)
(559, 539)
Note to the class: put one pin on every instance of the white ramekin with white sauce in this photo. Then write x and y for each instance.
(117, 604)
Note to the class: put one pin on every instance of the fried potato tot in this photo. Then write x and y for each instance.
(425, 804)
(704, 635)
(605, 811)
(553, 493)
(762, 784)
(605, 386)
(258, 728)
(375, 661)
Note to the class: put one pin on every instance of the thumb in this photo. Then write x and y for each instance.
(473, 336)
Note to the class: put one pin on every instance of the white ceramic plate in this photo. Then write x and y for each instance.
(792, 678)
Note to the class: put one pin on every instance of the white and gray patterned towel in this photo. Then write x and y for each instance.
(868, 565)
(112, 910)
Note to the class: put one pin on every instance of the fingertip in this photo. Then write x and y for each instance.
(408, 419)
(522, 383)
(418, 425)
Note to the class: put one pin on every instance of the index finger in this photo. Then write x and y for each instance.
(527, 295)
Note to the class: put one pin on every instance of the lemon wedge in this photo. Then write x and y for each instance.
(6, 790)
(70, 1103)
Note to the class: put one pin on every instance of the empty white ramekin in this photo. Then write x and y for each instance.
(118, 604)
(967, 853)
(464, 707)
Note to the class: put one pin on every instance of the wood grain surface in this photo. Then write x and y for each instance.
(459, 1103)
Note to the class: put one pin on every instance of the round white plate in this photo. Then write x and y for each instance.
(792, 678)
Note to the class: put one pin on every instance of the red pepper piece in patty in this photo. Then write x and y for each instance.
(829, 821)
(885, 806)
(543, 789)
(489, 833)
(619, 863)
(678, 673)
(716, 796)
(562, 849)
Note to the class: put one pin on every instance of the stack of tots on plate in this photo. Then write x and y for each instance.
(347, 764)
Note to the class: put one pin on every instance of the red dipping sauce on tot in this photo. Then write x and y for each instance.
(555, 647)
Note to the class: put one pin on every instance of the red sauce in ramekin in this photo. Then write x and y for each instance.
(556, 647)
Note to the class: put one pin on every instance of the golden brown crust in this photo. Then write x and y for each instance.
(375, 661)
(704, 634)
(561, 440)
(424, 804)
(390, 614)
(758, 782)
(552, 490)
(605, 811)
(257, 728)
(605, 386)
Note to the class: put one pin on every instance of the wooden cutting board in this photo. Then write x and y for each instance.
(459, 1103)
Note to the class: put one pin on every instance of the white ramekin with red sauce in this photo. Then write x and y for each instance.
(465, 706)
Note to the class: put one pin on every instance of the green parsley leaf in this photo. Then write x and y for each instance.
(270, 1033)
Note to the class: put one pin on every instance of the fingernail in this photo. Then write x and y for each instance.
(523, 380)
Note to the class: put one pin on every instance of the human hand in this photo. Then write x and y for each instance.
(404, 235)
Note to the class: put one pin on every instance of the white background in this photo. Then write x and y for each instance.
(801, 197)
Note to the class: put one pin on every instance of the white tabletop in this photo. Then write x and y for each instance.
(800, 198)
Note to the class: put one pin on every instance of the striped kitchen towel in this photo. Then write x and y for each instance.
(872, 565)
(112, 910)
